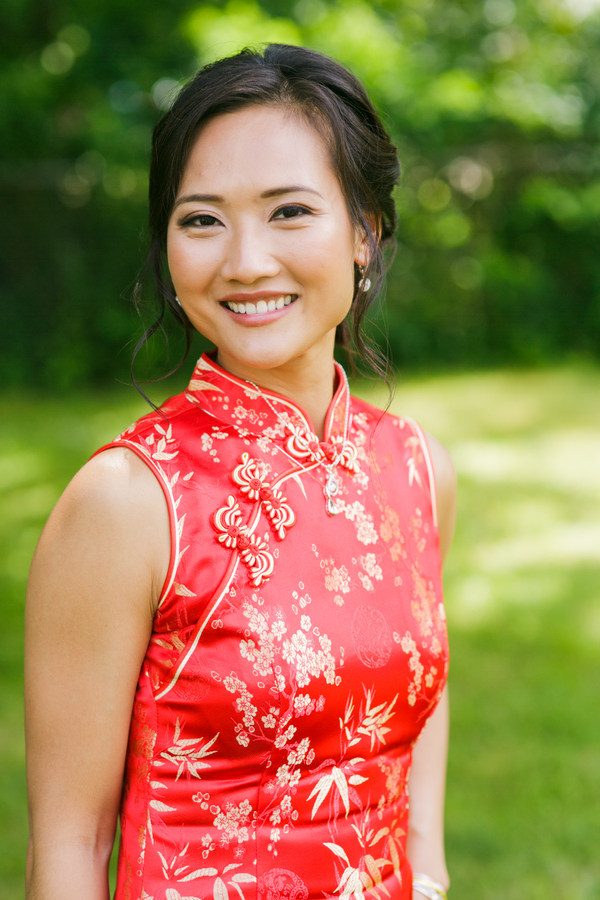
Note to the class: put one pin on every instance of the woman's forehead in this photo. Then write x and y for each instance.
(260, 146)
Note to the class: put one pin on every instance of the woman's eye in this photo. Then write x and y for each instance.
(291, 212)
(205, 221)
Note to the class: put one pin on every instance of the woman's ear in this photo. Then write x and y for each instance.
(363, 255)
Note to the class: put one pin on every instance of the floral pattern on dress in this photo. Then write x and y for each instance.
(295, 655)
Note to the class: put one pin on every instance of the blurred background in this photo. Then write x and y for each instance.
(492, 318)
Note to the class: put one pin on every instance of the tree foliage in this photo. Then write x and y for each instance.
(494, 106)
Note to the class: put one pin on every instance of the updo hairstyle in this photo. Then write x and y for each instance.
(362, 156)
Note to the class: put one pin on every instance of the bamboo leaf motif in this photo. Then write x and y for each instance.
(356, 779)
(321, 789)
(220, 891)
(342, 786)
(339, 851)
(198, 873)
(182, 754)
(161, 807)
(380, 834)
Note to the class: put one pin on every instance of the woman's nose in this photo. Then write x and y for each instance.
(249, 256)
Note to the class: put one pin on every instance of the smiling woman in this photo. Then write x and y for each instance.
(261, 220)
(235, 623)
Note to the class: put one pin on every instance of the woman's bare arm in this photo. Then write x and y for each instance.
(425, 844)
(93, 588)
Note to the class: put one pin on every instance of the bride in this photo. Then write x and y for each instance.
(235, 630)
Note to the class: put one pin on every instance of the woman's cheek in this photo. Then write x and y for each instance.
(190, 264)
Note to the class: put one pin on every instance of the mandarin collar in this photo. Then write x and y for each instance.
(260, 411)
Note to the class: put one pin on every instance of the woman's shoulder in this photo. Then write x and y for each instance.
(436, 459)
(114, 489)
(116, 479)
(366, 414)
(112, 516)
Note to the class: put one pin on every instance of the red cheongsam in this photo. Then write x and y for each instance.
(298, 649)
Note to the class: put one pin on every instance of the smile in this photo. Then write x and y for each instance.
(261, 307)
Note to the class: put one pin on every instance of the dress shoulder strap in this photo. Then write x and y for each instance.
(174, 525)
(418, 432)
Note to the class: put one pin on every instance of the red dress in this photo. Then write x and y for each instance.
(298, 649)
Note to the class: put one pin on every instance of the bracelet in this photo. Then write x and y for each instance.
(431, 889)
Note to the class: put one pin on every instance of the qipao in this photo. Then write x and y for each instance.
(297, 652)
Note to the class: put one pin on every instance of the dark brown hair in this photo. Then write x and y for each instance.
(363, 157)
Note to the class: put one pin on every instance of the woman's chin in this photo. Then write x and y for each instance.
(259, 359)
(280, 354)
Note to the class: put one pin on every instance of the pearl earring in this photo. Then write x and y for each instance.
(364, 283)
(177, 300)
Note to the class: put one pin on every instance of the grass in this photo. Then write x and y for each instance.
(523, 599)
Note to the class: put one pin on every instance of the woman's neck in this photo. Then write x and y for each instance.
(308, 382)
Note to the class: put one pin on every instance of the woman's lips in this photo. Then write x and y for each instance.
(259, 307)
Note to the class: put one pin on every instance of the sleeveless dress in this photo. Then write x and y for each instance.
(297, 652)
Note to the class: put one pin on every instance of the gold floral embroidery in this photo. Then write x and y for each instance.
(265, 701)
(415, 665)
(424, 605)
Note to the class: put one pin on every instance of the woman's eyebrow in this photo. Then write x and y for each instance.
(291, 189)
(199, 198)
(266, 195)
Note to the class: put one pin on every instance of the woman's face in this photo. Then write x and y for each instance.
(260, 245)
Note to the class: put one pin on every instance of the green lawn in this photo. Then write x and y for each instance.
(523, 598)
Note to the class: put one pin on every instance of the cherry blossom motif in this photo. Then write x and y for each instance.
(274, 504)
(254, 551)
(354, 653)
(234, 822)
(409, 646)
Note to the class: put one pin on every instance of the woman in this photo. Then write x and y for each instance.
(247, 582)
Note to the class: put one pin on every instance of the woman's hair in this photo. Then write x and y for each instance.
(362, 155)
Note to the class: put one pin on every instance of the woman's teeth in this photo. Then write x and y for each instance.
(262, 306)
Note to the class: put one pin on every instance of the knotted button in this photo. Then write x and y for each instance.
(328, 450)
